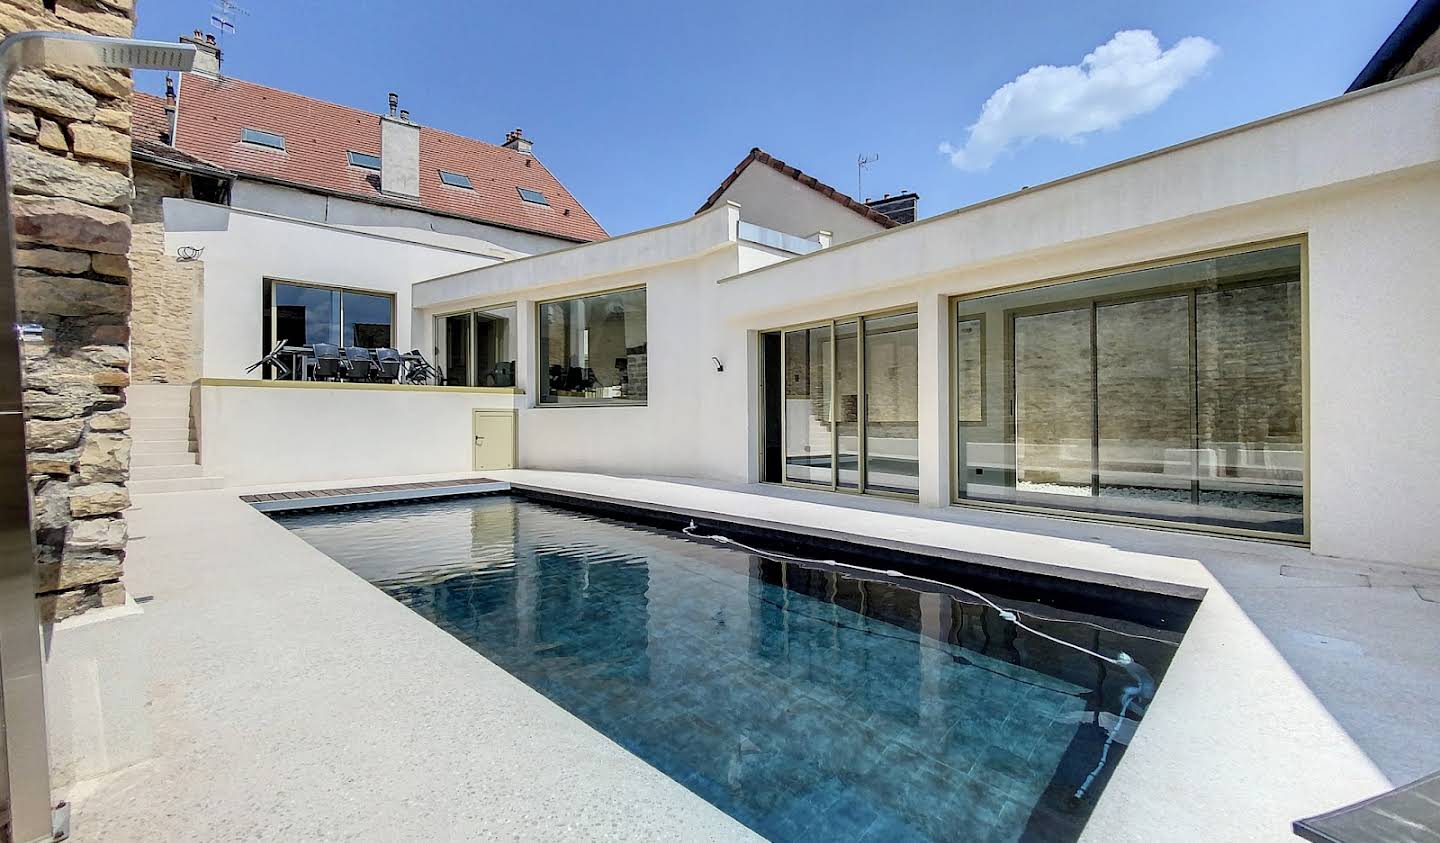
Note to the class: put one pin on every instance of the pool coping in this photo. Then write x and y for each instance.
(1235, 744)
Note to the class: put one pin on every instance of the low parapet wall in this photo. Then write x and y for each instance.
(255, 432)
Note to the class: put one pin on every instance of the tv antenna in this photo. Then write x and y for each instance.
(223, 20)
(862, 163)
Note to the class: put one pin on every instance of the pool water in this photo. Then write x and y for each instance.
(805, 703)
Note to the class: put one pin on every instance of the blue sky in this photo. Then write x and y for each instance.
(642, 108)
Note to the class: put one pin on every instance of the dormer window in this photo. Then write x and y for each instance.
(262, 138)
(456, 179)
(534, 196)
(364, 159)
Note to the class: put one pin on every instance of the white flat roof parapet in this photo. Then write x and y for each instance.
(1361, 135)
(689, 238)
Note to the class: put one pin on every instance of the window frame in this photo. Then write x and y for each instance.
(352, 154)
(468, 185)
(862, 486)
(472, 342)
(953, 478)
(540, 376)
(270, 325)
(543, 200)
(259, 137)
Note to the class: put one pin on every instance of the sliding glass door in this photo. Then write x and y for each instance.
(847, 395)
(1168, 393)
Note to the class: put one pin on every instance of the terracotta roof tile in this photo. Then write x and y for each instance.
(318, 135)
(758, 154)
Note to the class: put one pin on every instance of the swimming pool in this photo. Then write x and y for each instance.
(806, 702)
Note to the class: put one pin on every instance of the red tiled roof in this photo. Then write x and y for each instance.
(147, 121)
(758, 154)
(318, 135)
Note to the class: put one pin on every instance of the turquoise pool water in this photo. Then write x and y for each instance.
(807, 704)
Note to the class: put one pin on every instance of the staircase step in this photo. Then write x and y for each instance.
(165, 435)
(185, 484)
(165, 472)
(154, 460)
(181, 422)
(170, 446)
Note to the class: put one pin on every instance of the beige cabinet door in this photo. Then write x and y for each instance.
(494, 439)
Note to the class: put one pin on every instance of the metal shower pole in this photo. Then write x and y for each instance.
(25, 771)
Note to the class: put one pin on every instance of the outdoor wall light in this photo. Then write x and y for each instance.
(25, 781)
(719, 367)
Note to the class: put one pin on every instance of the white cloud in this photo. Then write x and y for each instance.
(1125, 77)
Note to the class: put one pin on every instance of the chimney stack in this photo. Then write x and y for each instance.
(516, 140)
(207, 53)
(902, 208)
(399, 152)
(171, 110)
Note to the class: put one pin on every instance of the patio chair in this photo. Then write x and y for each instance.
(359, 365)
(328, 364)
(272, 359)
(388, 361)
(418, 370)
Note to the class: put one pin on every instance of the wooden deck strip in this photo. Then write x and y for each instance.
(364, 490)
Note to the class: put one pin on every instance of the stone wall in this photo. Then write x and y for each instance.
(165, 336)
(69, 147)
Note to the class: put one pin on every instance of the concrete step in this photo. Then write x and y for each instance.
(160, 423)
(164, 435)
(169, 446)
(186, 484)
(166, 472)
(154, 460)
(157, 399)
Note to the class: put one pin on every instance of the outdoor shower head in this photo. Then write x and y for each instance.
(31, 49)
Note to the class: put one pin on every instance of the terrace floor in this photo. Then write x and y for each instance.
(290, 699)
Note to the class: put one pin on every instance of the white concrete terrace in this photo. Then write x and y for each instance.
(292, 699)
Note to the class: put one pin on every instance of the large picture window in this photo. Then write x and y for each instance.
(477, 347)
(842, 404)
(1173, 392)
(593, 349)
(302, 315)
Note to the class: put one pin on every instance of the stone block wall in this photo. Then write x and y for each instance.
(69, 148)
(165, 311)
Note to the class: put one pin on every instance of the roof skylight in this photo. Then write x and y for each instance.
(533, 196)
(364, 159)
(262, 138)
(456, 179)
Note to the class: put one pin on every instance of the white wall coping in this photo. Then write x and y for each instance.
(670, 243)
(1363, 134)
(339, 229)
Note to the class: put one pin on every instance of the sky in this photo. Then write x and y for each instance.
(641, 109)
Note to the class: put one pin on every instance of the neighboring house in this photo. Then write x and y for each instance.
(281, 195)
(777, 196)
(1414, 47)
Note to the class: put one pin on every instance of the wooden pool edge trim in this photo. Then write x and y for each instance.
(396, 495)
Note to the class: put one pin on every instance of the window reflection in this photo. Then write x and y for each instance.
(1173, 392)
(594, 349)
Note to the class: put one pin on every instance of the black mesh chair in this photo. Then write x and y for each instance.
(418, 370)
(272, 359)
(359, 365)
(328, 364)
(388, 361)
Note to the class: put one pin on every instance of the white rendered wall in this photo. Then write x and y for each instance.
(276, 434)
(243, 248)
(1359, 177)
(399, 223)
(774, 200)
